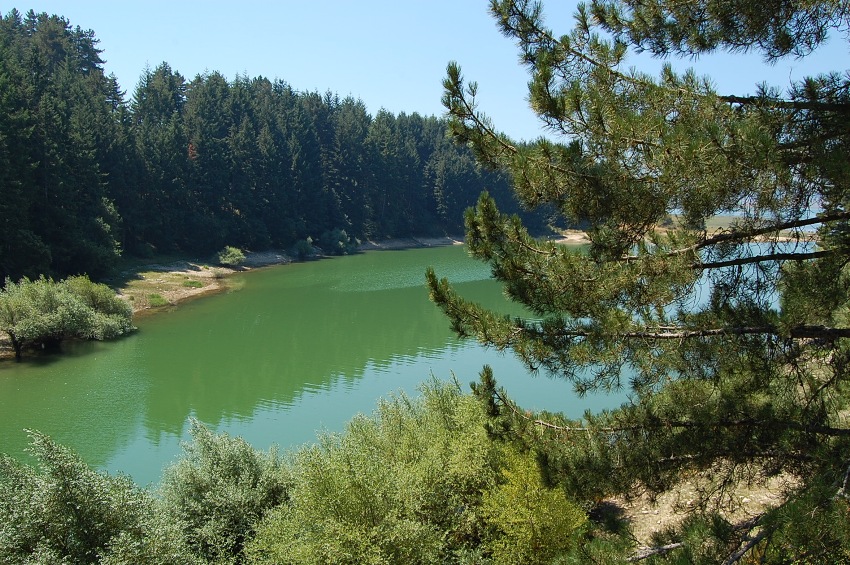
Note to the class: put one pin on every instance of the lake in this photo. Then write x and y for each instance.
(295, 349)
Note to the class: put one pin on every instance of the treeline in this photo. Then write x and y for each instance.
(191, 166)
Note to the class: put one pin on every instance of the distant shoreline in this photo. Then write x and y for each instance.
(178, 281)
(173, 281)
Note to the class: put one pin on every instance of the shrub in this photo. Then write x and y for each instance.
(230, 256)
(533, 524)
(337, 242)
(303, 249)
(39, 311)
(220, 490)
(193, 284)
(64, 512)
(403, 486)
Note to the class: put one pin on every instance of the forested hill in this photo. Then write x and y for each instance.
(87, 173)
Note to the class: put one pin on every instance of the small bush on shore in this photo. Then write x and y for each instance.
(337, 242)
(303, 249)
(231, 257)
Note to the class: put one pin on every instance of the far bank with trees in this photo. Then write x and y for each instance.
(191, 165)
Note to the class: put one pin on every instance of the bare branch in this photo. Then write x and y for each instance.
(664, 333)
(749, 235)
(647, 552)
(786, 104)
(842, 492)
(751, 543)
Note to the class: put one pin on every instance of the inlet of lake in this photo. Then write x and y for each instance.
(293, 350)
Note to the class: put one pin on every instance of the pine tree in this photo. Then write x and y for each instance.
(732, 343)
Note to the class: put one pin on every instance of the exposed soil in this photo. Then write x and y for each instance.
(647, 517)
(182, 280)
(156, 286)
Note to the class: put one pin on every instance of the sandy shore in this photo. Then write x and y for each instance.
(153, 287)
(156, 287)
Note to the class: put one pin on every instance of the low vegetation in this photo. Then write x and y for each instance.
(43, 312)
(419, 481)
(157, 301)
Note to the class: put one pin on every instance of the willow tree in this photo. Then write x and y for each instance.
(732, 343)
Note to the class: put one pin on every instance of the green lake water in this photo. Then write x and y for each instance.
(296, 349)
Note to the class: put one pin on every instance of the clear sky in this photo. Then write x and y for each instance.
(390, 54)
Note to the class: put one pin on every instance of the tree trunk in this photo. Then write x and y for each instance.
(18, 347)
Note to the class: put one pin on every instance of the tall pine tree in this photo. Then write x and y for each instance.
(732, 343)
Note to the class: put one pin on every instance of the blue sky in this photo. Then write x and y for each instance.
(391, 54)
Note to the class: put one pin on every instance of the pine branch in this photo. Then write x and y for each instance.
(748, 525)
(751, 543)
(667, 424)
(786, 104)
(748, 235)
(481, 124)
(538, 36)
(770, 257)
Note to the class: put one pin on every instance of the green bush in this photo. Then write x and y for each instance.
(303, 249)
(39, 311)
(63, 512)
(193, 284)
(230, 256)
(403, 486)
(337, 242)
(419, 481)
(220, 490)
(533, 524)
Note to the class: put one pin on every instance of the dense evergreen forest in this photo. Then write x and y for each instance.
(192, 165)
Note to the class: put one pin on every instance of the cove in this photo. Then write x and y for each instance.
(294, 350)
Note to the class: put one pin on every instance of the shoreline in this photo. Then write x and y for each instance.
(183, 280)
(152, 288)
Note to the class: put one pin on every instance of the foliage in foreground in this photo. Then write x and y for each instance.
(44, 311)
(418, 482)
(220, 490)
(733, 344)
(63, 512)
